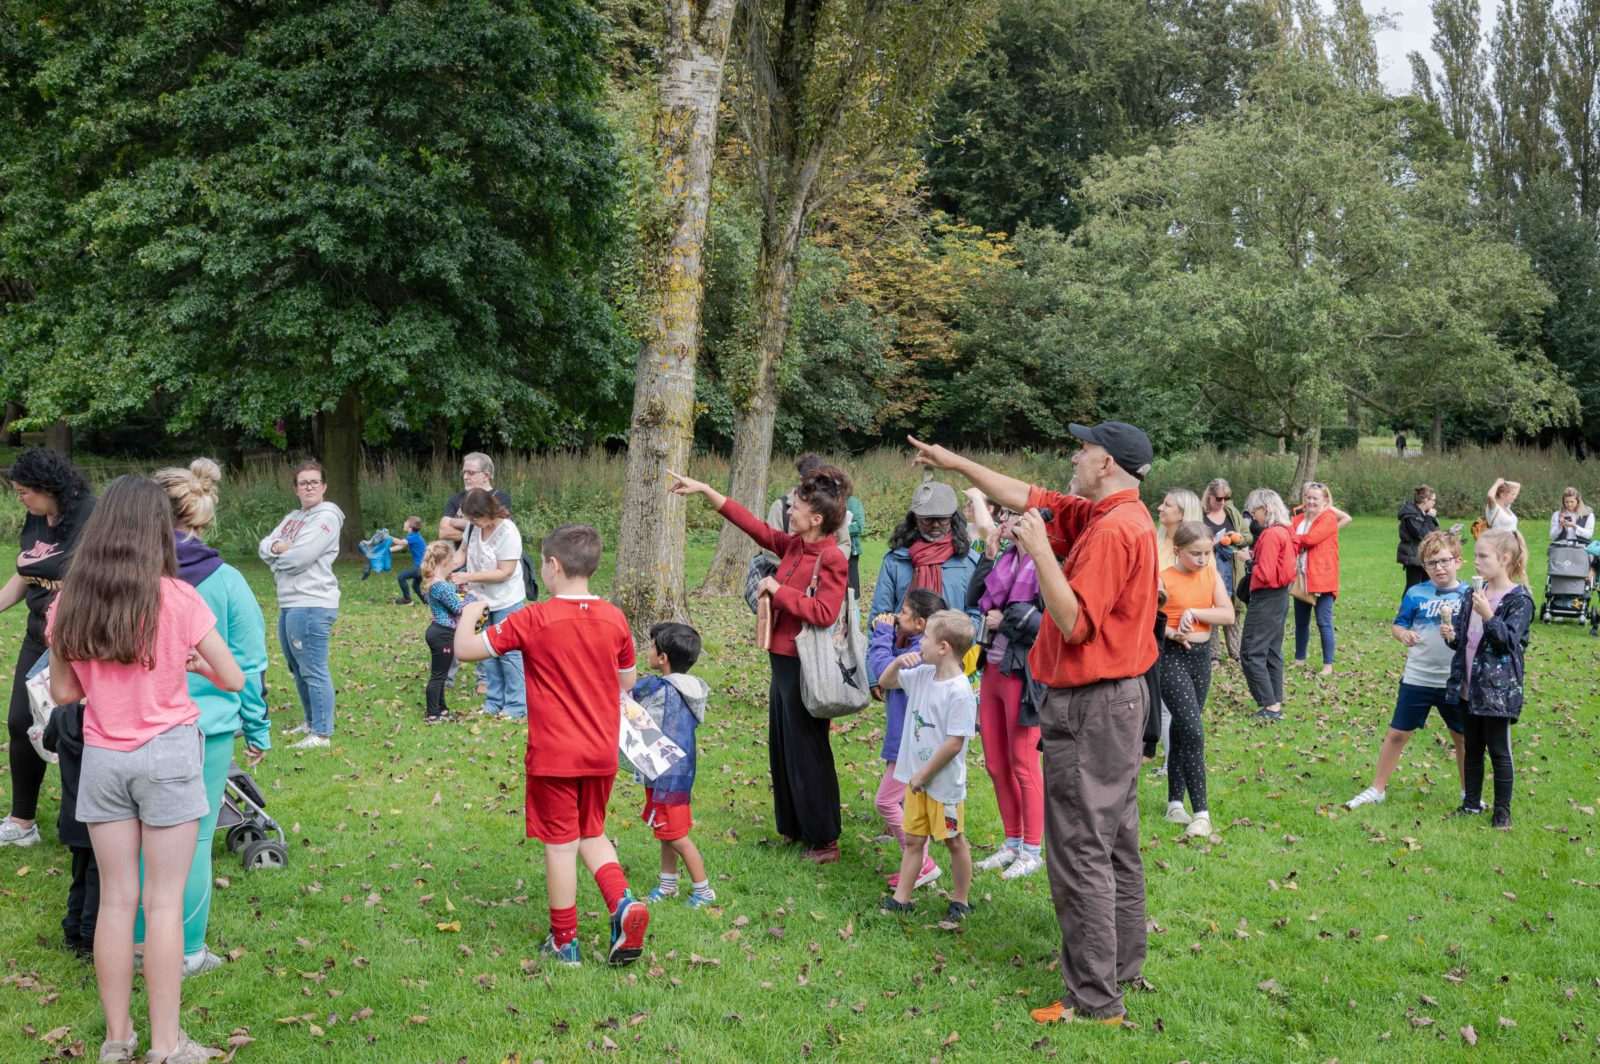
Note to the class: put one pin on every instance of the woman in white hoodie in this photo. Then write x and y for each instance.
(300, 552)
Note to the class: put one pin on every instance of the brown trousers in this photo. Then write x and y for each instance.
(1093, 737)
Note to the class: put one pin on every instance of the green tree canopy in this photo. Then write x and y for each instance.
(253, 211)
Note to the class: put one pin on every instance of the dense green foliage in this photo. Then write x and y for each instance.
(405, 202)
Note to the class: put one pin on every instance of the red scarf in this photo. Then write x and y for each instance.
(929, 559)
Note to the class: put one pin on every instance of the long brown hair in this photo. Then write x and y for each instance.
(111, 597)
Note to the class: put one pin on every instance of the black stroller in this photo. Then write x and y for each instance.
(1568, 585)
(244, 816)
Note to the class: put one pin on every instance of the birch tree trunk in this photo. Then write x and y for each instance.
(649, 584)
(1306, 467)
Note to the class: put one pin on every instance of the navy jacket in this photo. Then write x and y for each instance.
(1497, 669)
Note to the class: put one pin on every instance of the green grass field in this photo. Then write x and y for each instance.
(408, 921)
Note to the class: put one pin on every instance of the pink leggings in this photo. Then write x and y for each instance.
(1011, 755)
(891, 792)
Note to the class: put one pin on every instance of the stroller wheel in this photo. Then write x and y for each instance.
(240, 836)
(266, 853)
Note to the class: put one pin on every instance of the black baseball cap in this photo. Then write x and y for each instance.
(1128, 446)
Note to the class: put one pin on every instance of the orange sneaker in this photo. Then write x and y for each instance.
(1057, 1012)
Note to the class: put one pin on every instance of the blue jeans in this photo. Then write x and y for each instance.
(303, 633)
(503, 675)
(1302, 630)
(413, 577)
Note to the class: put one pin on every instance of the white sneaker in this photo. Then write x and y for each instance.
(187, 1051)
(1177, 815)
(119, 1052)
(1199, 827)
(299, 729)
(1370, 796)
(14, 834)
(1026, 864)
(201, 963)
(312, 742)
(998, 860)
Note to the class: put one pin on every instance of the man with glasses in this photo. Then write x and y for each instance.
(477, 471)
(301, 552)
(1424, 684)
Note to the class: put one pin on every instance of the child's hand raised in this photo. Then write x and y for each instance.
(909, 661)
(883, 618)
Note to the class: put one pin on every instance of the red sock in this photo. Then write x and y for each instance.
(564, 924)
(612, 883)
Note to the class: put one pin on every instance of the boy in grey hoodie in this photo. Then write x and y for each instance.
(300, 552)
(677, 703)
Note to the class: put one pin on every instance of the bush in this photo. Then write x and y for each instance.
(1340, 438)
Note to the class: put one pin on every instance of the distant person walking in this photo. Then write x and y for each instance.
(1093, 650)
(1400, 444)
(301, 552)
(1418, 517)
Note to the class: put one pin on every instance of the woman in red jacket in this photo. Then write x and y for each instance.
(1316, 537)
(805, 786)
(1272, 571)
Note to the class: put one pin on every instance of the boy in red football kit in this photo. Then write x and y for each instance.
(579, 660)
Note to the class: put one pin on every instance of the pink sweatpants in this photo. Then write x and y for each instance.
(891, 792)
(1011, 756)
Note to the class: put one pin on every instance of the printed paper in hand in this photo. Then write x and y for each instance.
(643, 743)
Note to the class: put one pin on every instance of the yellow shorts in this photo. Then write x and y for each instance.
(931, 818)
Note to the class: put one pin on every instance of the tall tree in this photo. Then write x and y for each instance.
(1315, 239)
(1456, 41)
(688, 89)
(1520, 141)
(822, 87)
(367, 214)
(1577, 96)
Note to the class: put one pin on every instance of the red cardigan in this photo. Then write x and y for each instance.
(1321, 546)
(796, 561)
(1274, 558)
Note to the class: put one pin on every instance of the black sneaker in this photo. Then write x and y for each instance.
(892, 907)
(1268, 716)
(1502, 819)
(958, 912)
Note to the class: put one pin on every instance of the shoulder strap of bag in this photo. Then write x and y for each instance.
(816, 572)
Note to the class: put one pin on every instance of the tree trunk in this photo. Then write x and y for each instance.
(757, 414)
(1436, 435)
(10, 435)
(341, 459)
(439, 440)
(58, 437)
(649, 582)
(1306, 468)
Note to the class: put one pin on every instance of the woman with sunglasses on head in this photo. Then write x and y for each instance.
(1231, 539)
(300, 552)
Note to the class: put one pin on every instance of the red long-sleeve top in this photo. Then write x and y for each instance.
(797, 559)
(1274, 553)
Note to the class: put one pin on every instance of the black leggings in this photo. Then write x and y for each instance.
(441, 652)
(1494, 735)
(1185, 681)
(805, 785)
(83, 896)
(27, 767)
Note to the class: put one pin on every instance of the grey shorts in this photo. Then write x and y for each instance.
(161, 784)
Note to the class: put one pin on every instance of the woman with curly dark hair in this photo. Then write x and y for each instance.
(58, 502)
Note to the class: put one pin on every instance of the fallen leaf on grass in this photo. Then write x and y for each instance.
(951, 1039)
(360, 1014)
(451, 926)
(1469, 1035)
(416, 1020)
(695, 960)
(52, 1037)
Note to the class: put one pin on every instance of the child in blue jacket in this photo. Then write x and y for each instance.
(677, 703)
(893, 635)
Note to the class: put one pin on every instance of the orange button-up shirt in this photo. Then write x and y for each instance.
(1111, 565)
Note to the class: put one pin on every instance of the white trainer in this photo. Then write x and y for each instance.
(201, 963)
(1199, 827)
(1176, 814)
(312, 742)
(299, 729)
(1370, 796)
(998, 860)
(14, 834)
(1026, 864)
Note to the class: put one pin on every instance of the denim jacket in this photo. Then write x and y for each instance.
(1496, 689)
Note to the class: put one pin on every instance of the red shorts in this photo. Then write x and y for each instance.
(671, 822)
(565, 809)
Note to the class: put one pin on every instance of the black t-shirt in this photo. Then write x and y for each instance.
(1225, 525)
(453, 507)
(42, 562)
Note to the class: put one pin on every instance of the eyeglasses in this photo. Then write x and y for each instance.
(306, 483)
(1439, 563)
(1223, 498)
(933, 520)
(474, 472)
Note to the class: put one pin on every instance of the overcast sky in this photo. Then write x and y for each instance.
(1413, 26)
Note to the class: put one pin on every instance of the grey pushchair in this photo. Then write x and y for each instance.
(1568, 585)
(244, 818)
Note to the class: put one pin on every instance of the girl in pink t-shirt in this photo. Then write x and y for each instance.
(123, 635)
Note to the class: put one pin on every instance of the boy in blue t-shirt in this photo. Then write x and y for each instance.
(411, 579)
(1424, 684)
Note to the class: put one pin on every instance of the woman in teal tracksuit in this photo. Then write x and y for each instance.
(193, 493)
